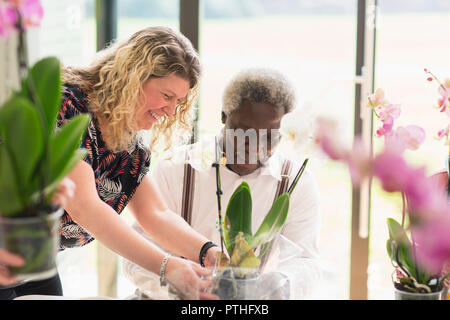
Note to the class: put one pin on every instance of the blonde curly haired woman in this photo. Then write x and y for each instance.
(148, 82)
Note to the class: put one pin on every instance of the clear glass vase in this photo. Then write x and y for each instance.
(403, 295)
(36, 240)
(235, 284)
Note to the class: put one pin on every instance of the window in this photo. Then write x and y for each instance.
(313, 43)
(409, 38)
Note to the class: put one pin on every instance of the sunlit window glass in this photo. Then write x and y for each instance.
(313, 43)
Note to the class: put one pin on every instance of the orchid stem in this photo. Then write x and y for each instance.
(403, 209)
(219, 194)
(448, 173)
(297, 177)
(436, 78)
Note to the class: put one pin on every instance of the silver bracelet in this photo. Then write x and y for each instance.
(162, 270)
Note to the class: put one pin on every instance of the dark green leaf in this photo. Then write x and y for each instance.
(43, 86)
(406, 259)
(404, 252)
(69, 165)
(396, 232)
(273, 222)
(10, 200)
(391, 249)
(238, 216)
(64, 143)
(22, 135)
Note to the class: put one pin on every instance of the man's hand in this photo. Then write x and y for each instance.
(211, 256)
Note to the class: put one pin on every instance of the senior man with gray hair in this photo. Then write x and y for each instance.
(254, 102)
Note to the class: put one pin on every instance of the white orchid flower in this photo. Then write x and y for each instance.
(202, 155)
(297, 130)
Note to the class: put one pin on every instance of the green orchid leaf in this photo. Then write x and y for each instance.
(43, 87)
(407, 281)
(391, 248)
(63, 144)
(273, 222)
(22, 136)
(400, 247)
(69, 165)
(238, 216)
(10, 199)
(226, 237)
(403, 253)
(397, 233)
(406, 259)
(35, 156)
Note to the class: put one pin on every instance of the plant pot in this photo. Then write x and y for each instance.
(36, 240)
(235, 284)
(403, 295)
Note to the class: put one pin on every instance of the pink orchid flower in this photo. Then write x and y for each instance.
(392, 170)
(359, 161)
(325, 137)
(387, 126)
(8, 20)
(431, 209)
(418, 190)
(431, 234)
(409, 137)
(377, 100)
(392, 110)
(444, 133)
(433, 242)
(30, 11)
(387, 116)
(385, 111)
(396, 175)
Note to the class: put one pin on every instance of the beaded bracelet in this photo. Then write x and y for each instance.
(203, 250)
(162, 270)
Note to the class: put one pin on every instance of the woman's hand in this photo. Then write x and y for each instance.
(8, 259)
(184, 276)
(64, 193)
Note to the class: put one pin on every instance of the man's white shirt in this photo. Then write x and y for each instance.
(295, 252)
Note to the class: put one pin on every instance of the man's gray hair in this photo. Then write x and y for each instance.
(258, 85)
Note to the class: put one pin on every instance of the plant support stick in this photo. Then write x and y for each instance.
(298, 176)
(219, 193)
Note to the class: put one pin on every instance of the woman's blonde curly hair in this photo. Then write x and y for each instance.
(113, 84)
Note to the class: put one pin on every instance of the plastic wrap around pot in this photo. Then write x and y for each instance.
(235, 283)
(288, 273)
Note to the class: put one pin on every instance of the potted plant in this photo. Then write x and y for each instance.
(236, 278)
(412, 281)
(418, 252)
(35, 156)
